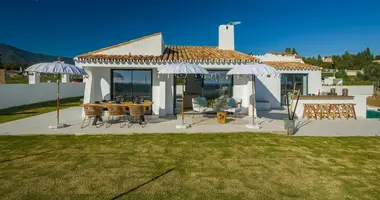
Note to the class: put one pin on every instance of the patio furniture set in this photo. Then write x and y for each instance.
(334, 111)
(125, 112)
(220, 109)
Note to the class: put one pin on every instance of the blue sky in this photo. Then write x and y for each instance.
(73, 27)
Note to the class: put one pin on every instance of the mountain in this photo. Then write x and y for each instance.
(11, 54)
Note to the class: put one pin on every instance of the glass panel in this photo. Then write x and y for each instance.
(217, 83)
(288, 81)
(142, 84)
(128, 84)
(217, 86)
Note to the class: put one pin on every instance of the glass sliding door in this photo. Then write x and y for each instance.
(289, 82)
(216, 84)
(130, 83)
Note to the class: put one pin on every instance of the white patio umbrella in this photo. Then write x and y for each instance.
(254, 69)
(58, 67)
(183, 69)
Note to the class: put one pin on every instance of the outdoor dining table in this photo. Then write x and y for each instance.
(146, 105)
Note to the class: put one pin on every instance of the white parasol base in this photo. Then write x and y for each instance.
(182, 126)
(57, 127)
(253, 126)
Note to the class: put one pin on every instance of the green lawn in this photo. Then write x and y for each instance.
(19, 112)
(189, 166)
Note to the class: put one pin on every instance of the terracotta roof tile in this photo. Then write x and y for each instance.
(292, 65)
(179, 53)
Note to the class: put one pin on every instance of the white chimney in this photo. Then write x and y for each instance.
(226, 37)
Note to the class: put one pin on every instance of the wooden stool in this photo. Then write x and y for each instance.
(319, 111)
(308, 110)
(350, 107)
(221, 117)
(327, 110)
(336, 111)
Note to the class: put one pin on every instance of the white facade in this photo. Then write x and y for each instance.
(152, 45)
(268, 57)
(226, 37)
(268, 90)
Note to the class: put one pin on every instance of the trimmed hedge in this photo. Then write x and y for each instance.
(373, 101)
(357, 82)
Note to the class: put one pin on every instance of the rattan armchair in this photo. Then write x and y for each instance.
(116, 111)
(136, 111)
(92, 111)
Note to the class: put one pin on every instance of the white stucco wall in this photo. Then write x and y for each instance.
(226, 37)
(352, 89)
(283, 58)
(269, 89)
(314, 79)
(152, 45)
(98, 84)
(22, 94)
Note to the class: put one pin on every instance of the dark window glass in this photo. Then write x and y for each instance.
(128, 84)
(217, 83)
(293, 81)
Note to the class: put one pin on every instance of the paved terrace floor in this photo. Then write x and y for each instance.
(270, 122)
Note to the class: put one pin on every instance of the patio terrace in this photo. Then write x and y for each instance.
(269, 121)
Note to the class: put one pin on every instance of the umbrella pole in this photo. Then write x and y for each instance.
(183, 102)
(253, 99)
(58, 101)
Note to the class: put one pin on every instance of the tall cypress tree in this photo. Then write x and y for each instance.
(1, 61)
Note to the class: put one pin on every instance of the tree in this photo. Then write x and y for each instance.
(372, 72)
(288, 50)
(377, 57)
(294, 51)
(1, 61)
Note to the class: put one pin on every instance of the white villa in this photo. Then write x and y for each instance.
(131, 69)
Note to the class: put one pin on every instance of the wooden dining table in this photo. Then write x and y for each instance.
(145, 104)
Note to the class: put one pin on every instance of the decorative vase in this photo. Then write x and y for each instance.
(289, 126)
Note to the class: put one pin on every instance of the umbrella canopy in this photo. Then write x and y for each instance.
(254, 69)
(183, 68)
(57, 67)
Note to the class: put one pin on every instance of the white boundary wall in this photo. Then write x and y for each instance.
(352, 89)
(21, 94)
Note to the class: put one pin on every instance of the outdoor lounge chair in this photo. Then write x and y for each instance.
(92, 111)
(200, 105)
(117, 111)
(232, 106)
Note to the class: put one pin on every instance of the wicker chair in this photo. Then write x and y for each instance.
(136, 111)
(92, 111)
(117, 111)
(148, 112)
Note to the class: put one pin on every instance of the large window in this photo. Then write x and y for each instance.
(128, 84)
(289, 82)
(217, 83)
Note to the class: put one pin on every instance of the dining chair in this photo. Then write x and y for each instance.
(116, 111)
(148, 112)
(92, 112)
(136, 111)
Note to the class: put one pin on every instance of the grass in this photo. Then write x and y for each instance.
(20, 112)
(189, 166)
